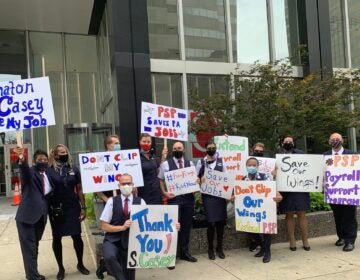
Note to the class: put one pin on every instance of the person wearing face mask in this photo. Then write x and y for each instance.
(344, 215)
(252, 165)
(115, 221)
(67, 207)
(185, 202)
(111, 143)
(258, 150)
(150, 192)
(215, 207)
(295, 203)
(31, 216)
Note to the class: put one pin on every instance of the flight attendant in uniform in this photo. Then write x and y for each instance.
(151, 191)
(215, 207)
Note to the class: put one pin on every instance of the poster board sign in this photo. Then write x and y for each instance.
(153, 236)
(182, 181)
(255, 209)
(342, 179)
(266, 166)
(234, 150)
(26, 104)
(164, 122)
(102, 171)
(216, 183)
(299, 172)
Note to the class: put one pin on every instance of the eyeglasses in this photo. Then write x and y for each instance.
(124, 184)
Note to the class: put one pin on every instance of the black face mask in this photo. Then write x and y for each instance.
(177, 154)
(63, 158)
(41, 166)
(211, 152)
(288, 146)
(258, 154)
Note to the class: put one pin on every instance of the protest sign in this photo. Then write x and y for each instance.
(164, 122)
(182, 181)
(153, 236)
(25, 104)
(342, 179)
(234, 150)
(255, 209)
(266, 165)
(216, 183)
(299, 173)
(102, 171)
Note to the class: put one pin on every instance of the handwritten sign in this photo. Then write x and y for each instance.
(102, 171)
(182, 181)
(342, 179)
(299, 173)
(164, 122)
(255, 209)
(266, 165)
(216, 183)
(25, 104)
(153, 236)
(234, 150)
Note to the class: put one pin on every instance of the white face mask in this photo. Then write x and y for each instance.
(126, 190)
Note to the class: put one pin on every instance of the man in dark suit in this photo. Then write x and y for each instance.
(344, 215)
(32, 213)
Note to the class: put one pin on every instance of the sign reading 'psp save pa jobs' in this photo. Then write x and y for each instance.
(164, 122)
(25, 104)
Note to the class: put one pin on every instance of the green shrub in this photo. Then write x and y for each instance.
(317, 203)
(90, 212)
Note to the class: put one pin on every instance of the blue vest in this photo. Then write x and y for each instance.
(218, 167)
(118, 219)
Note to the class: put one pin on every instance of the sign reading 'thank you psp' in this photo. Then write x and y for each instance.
(164, 122)
(25, 104)
(102, 171)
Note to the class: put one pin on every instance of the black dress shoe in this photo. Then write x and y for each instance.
(267, 257)
(61, 274)
(220, 253)
(348, 247)
(340, 242)
(211, 254)
(307, 248)
(82, 269)
(188, 257)
(259, 254)
(41, 277)
(171, 267)
(253, 245)
(292, 248)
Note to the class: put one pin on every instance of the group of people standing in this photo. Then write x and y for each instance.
(56, 182)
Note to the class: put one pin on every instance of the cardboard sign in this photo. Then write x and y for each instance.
(25, 104)
(299, 173)
(234, 150)
(153, 236)
(342, 179)
(216, 183)
(266, 165)
(182, 181)
(255, 209)
(164, 122)
(102, 171)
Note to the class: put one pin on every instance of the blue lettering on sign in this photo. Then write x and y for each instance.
(181, 116)
(10, 89)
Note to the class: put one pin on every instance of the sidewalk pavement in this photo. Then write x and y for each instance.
(324, 262)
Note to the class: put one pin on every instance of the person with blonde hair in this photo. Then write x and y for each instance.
(67, 206)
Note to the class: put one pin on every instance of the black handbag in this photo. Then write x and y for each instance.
(56, 214)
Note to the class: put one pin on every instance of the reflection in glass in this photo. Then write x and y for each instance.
(337, 32)
(163, 29)
(250, 31)
(167, 89)
(354, 24)
(204, 28)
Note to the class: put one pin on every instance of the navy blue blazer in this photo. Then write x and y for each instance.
(346, 152)
(34, 204)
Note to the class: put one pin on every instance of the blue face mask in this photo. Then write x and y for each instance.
(251, 169)
(117, 147)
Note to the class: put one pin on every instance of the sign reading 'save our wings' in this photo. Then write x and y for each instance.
(25, 104)
(164, 122)
(102, 171)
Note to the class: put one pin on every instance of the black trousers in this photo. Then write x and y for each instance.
(29, 237)
(345, 222)
(115, 257)
(264, 240)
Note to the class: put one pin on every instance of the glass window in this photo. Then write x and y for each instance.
(163, 29)
(250, 31)
(204, 29)
(285, 23)
(337, 32)
(354, 23)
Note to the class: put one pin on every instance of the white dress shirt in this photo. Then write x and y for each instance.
(47, 183)
(340, 152)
